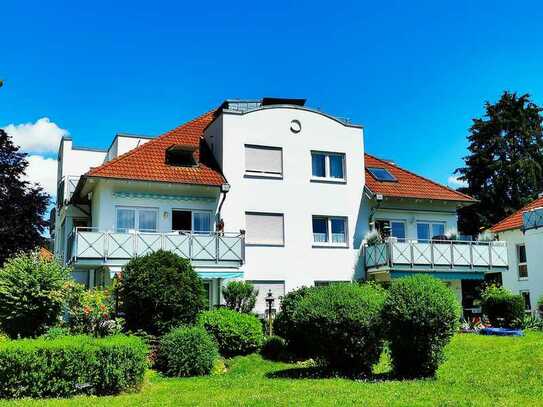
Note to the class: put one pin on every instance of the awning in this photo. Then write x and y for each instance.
(443, 275)
(210, 273)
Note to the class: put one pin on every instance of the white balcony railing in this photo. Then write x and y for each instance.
(438, 255)
(203, 248)
(532, 219)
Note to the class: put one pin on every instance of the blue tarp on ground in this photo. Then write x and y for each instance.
(501, 332)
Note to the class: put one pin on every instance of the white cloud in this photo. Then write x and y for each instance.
(455, 182)
(40, 137)
(43, 171)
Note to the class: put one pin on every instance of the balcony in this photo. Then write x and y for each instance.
(532, 219)
(87, 246)
(65, 189)
(446, 259)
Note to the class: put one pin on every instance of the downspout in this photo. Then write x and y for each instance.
(220, 224)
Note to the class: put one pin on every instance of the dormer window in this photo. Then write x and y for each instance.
(181, 155)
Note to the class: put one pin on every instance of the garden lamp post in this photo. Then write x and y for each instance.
(269, 302)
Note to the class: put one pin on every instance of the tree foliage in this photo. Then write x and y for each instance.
(504, 168)
(22, 204)
(240, 296)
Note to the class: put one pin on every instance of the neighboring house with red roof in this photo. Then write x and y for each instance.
(523, 232)
(266, 190)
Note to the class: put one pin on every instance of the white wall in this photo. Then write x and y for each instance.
(297, 262)
(533, 239)
(74, 161)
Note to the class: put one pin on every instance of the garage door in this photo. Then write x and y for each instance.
(277, 288)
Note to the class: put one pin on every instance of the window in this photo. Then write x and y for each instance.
(191, 221)
(141, 219)
(264, 228)
(330, 166)
(263, 161)
(526, 297)
(391, 228)
(326, 283)
(521, 261)
(429, 230)
(381, 174)
(330, 230)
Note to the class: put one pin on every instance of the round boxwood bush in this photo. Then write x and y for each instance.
(187, 351)
(236, 333)
(31, 294)
(502, 307)
(342, 324)
(422, 314)
(274, 348)
(160, 291)
(286, 326)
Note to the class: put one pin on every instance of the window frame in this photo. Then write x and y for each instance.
(430, 223)
(390, 222)
(192, 212)
(262, 174)
(249, 243)
(327, 177)
(136, 210)
(519, 263)
(329, 242)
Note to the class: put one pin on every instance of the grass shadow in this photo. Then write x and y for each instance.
(324, 373)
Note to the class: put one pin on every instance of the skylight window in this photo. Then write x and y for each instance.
(381, 174)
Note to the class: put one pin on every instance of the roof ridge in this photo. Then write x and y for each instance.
(149, 143)
(421, 177)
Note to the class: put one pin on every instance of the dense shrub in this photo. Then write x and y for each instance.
(274, 348)
(235, 333)
(160, 291)
(91, 312)
(342, 324)
(55, 332)
(240, 296)
(286, 326)
(31, 294)
(187, 351)
(502, 307)
(71, 365)
(422, 314)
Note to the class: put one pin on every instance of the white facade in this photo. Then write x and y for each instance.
(525, 263)
(294, 194)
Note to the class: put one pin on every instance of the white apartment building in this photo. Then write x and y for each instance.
(267, 190)
(523, 232)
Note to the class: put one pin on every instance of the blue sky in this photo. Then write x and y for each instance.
(413, 73)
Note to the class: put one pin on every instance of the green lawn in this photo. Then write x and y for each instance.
(479, 371)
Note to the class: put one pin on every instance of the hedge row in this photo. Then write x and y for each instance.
(68, 366)
(345, 325)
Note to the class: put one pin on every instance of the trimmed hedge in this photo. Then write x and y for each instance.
(342, 324)
(502, 307)
(69, 366)
(286, 326)
(235, 333)
(422, 315)
(160, 291)
(274, 348)
(187, 351)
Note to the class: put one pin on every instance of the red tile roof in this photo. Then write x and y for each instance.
(408, 185)
(148, 162)
(514, 221)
